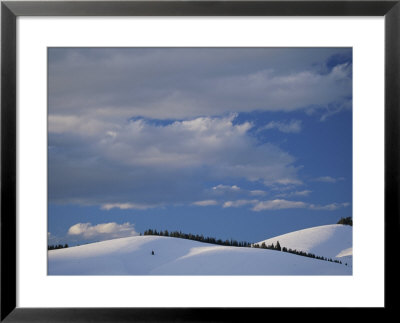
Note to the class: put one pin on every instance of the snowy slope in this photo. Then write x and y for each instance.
(331, 241)
(173, 256)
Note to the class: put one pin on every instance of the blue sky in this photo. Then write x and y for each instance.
(241, 143)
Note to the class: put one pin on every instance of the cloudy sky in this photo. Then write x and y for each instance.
(241, 143)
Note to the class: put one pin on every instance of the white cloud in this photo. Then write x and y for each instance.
(126, 206)
(195, 142)
(333, 109)
(220, 187)
(296, 193)
(288, 181)
(285, 204)
(205, 203)
(329, 179)
(293, 126)
(278, 205)
(145, 163)
(84, 125)
(238, 203)
(302, 193)
(104, 231)
(329, 207)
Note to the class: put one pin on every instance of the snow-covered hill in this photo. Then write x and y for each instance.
(331, 241)
(174, 256)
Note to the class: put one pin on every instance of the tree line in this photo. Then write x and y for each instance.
(197, 237)
(346, 221)
(294, 251)
(58, 246)
(234, 243)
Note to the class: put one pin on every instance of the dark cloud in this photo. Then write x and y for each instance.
(188, 82)
(147, 127)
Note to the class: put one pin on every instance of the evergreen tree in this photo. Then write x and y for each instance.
(346, 221)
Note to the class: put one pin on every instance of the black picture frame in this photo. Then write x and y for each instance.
(10, 10)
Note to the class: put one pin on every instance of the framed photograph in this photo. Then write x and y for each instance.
(190, 160)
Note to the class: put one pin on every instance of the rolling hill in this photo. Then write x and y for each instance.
(175, 256)
(331, 241)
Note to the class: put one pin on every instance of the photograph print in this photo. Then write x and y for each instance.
(200, 161)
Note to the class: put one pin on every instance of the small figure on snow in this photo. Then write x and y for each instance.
(152, 252)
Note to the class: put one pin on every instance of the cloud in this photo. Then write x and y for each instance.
(287, 181)
(285, 204)
(296, 193)
(335, 108)
(238, 203)
(224, 188)
(329, 207)
(329, 179)
(258, 192)
(87, 126)
(102, 231)
(278, 205)
(155, 126)
(301, 193)
(179, 83)
(147, 163)
(293, 127)
(205, 203)
(126, 206)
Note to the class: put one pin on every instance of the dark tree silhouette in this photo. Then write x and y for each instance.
(346, 221)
